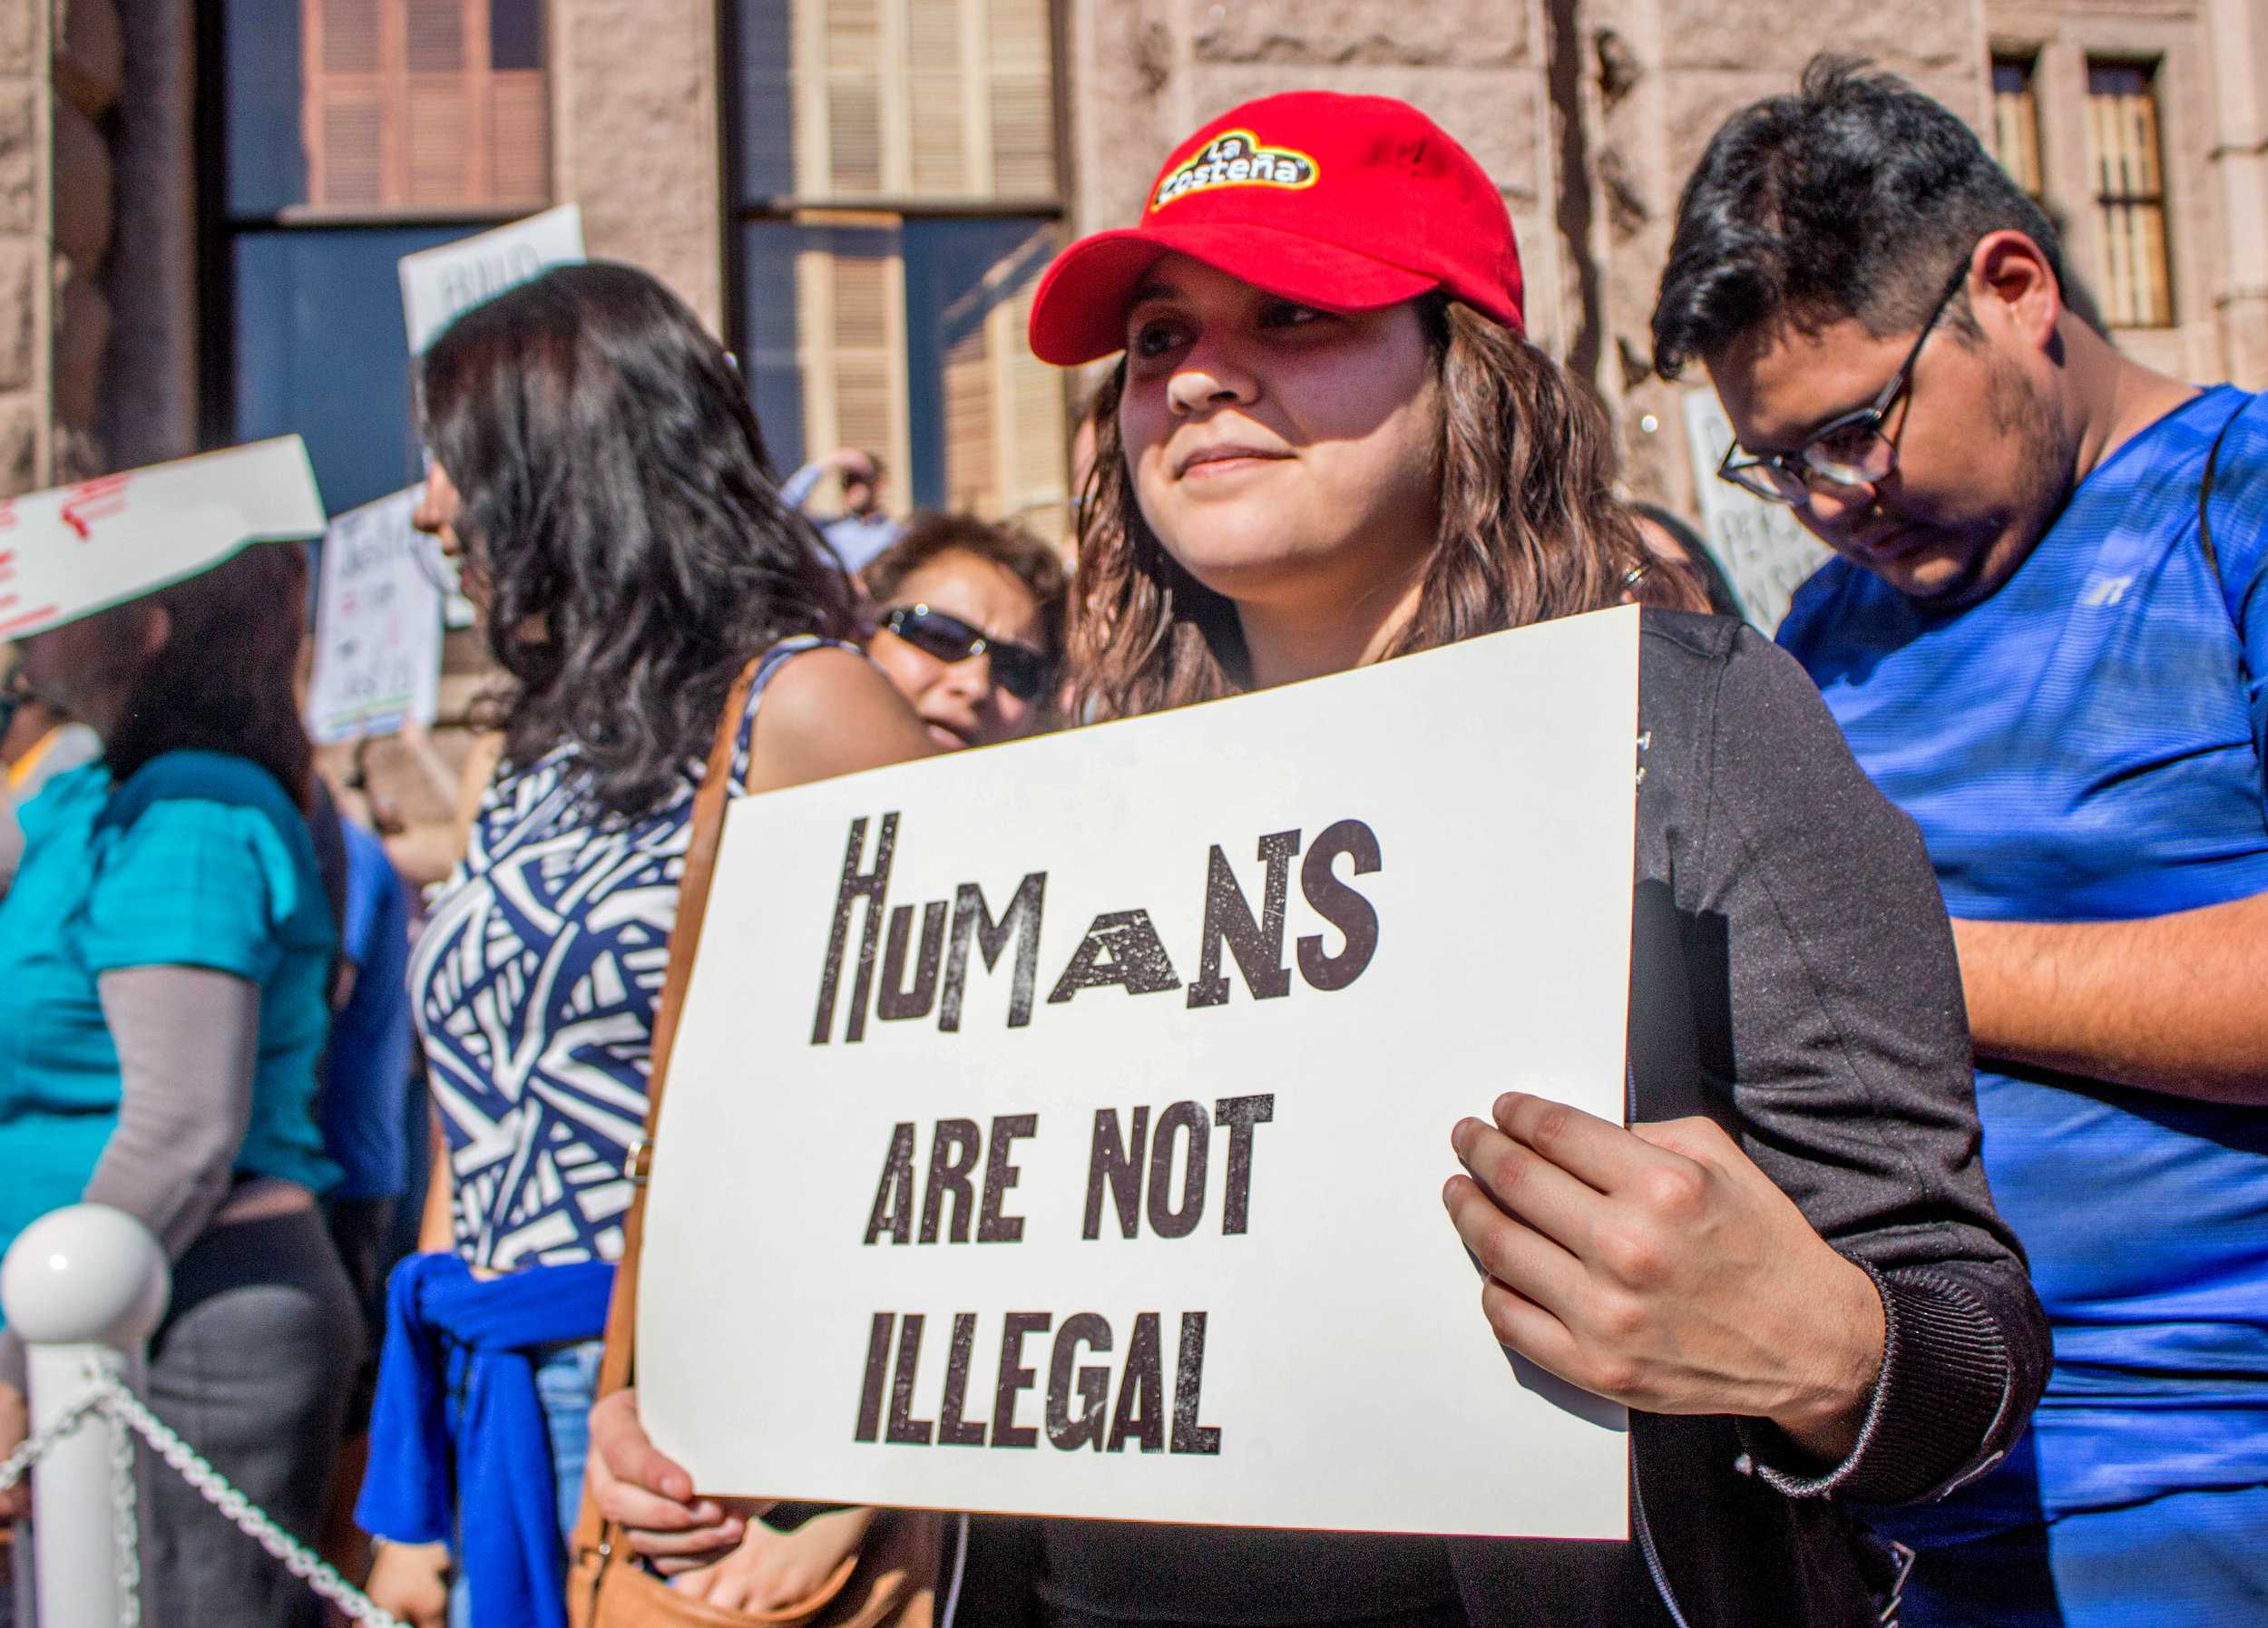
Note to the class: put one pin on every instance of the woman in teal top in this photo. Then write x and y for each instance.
(165, 958)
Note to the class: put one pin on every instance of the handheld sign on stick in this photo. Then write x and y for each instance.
(71, 550)
(438, 284)
(1060, 1129)
(377, 624)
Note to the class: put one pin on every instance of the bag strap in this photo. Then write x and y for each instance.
(700, 862)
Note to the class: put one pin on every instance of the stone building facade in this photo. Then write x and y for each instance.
(1587, 111)
(858, 193)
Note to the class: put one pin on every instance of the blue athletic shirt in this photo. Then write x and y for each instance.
(2086, 744)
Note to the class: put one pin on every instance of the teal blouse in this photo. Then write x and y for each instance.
(215, 871)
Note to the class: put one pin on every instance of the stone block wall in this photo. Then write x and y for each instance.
(24, 300)
(62, 69)
(87, 74)
(637, 139)
(1140, 74)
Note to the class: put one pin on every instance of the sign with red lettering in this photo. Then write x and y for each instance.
(1060, 1129)
(75, 549)
(377, 624)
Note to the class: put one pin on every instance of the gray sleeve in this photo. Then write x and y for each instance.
(11, 841)
(187, 1040)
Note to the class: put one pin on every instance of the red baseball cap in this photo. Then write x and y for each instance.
(1347, 203)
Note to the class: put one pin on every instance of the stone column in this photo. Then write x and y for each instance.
(88, 72)
(24, 299)
(149, 410)
(2239, 164)
(637, 139)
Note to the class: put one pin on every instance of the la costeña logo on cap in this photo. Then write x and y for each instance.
(1235, 158)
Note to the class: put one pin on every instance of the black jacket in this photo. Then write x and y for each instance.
(1792, 977)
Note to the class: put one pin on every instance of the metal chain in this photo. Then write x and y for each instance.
(37, 1447)
(254, 1522)
(125, 1519)
(111, 1397)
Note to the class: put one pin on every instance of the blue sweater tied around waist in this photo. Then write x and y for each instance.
(444, 1324)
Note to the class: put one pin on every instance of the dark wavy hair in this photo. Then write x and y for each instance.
(1855, 197)
(1529, 528)
(225, 680)
(616, 498)
(1014, 550)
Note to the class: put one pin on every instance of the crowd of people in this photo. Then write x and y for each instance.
(1932, 1259)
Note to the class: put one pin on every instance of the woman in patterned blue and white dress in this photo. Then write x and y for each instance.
(599, 474)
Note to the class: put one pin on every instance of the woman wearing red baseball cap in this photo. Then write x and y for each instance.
(1328, 442)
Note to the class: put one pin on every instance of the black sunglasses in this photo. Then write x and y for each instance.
(1020, 669)
(1849, 451)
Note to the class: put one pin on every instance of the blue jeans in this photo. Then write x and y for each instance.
(566, 1382)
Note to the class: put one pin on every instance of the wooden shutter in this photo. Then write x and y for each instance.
(850, 290)
(938, 123)
(350, 140)
(348, 33)
(1022, 100)
(972, 465)
(1006, 444)
(849, 150)
(403, 112)
(1033, 458)
(520, 132)
(2123, 155)
(2015, 123)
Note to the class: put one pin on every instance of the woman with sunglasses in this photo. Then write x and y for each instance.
(599, 473)
(968, 623)
(1328, 444)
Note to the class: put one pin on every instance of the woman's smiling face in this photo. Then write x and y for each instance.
(1281, 454)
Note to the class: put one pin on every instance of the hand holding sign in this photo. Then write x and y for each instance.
(1660, 1267)
(650, 1497)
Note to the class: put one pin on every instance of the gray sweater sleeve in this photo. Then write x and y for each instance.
(1847, 1054)
(187, 1041)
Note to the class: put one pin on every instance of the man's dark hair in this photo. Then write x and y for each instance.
(1855, 197)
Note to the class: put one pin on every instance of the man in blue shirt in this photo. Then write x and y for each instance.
(2041, 655)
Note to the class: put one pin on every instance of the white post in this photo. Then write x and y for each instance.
(84, 1286)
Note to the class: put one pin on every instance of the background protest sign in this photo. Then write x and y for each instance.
(1092, 1096)
(377, 624)
(71, 550)
(437, 284)
(1762, 546)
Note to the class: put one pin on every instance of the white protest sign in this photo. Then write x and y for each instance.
(1762, 546)
(71, 550)
(439, 284)
(1092, 1097)
(377, 624)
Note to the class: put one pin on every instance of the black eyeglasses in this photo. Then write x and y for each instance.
(1849, 451)
(1022, 670)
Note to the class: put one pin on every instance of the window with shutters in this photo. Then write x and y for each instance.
(2015, 123)
(407, 106)
(896, 189)
(353, 132)
(2124, 159)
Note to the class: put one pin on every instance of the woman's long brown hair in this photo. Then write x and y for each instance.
(1529, 529)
